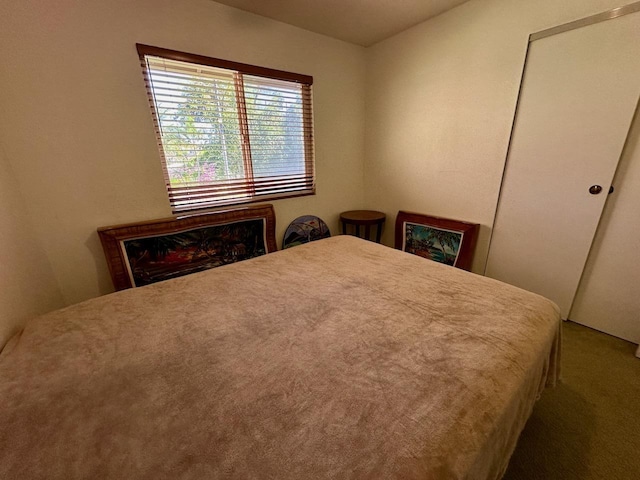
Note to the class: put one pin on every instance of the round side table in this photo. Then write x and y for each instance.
(364, 218)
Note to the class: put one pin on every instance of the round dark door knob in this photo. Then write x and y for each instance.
(595, 189)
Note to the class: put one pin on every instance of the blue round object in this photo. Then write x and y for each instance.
(305, 229)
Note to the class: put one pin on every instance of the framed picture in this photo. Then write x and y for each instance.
(439, 239)
(143, 253)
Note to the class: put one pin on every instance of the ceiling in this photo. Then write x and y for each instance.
(363, 22)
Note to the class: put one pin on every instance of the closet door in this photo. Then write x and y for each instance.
(608, 298)
(579, 93)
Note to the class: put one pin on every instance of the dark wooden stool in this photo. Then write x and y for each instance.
(365, 218)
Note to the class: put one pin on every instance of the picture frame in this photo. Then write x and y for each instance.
(443, 240)
(146, 252)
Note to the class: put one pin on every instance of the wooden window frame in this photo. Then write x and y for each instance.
(239, 69)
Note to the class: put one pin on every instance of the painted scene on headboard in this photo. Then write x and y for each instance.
(156, 258)
(147, 252)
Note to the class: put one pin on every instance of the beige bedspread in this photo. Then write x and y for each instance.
(336, 359)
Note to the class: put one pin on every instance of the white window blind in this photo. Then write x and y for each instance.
(229, 133)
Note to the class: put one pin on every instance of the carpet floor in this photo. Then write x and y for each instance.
(589, 426)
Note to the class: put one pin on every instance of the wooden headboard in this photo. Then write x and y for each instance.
(147, 252)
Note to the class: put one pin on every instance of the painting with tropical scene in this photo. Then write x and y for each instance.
(160, 257)
(432, 243)
(444, 240)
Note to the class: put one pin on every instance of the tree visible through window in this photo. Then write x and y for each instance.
(229, 133)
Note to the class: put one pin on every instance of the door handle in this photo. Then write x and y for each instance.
(595, 189)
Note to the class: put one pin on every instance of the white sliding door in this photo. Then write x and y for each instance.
(579, 93)
(608, 298)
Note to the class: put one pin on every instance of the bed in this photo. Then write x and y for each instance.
(340, 358)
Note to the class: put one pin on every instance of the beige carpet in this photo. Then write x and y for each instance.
(589, 426)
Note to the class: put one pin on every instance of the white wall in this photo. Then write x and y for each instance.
(440, 102)
(77, 126)
(27, 283)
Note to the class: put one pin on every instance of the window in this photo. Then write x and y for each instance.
(228, 133)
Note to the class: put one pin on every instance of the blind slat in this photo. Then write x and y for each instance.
(183, 190)
(233, 197)
(186, 110)
(263, 132)
(195, 92)
(237, 191)
(178, 208)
